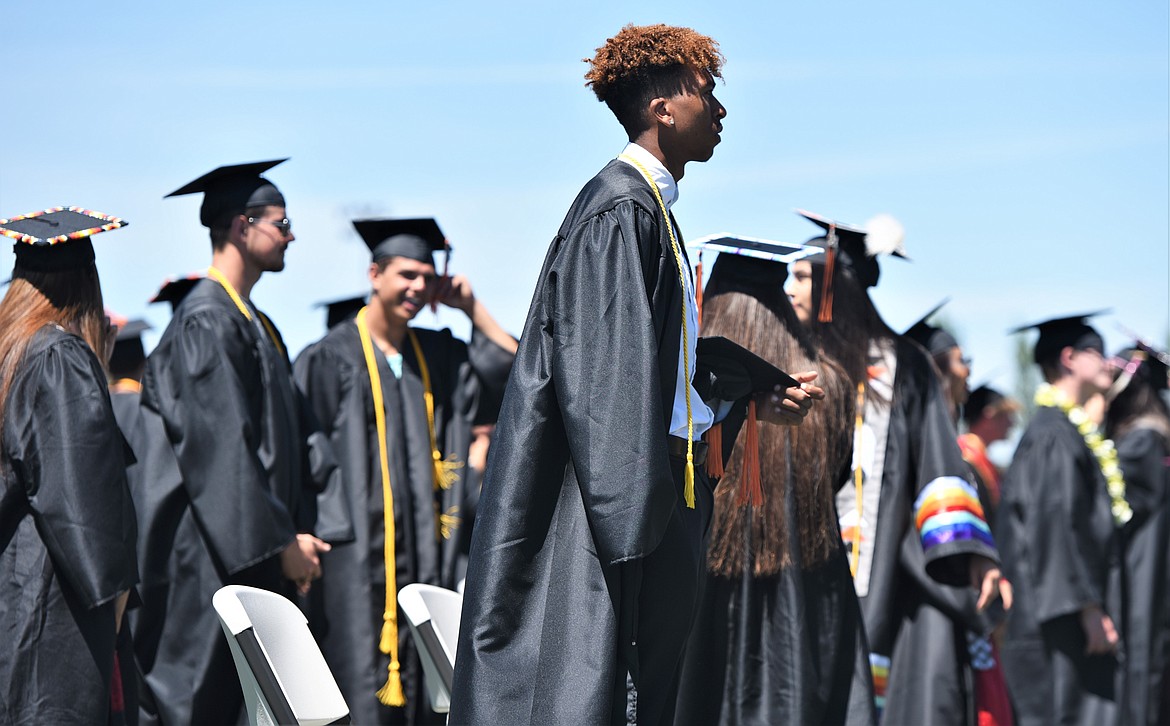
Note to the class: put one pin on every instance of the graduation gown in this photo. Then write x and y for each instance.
(783, 649)
(222, 506)
(349, 600)
(929, 521)
(1056, 533)
(66, 536)
(584, 563)
(1145, 543)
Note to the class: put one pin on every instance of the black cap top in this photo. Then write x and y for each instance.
(981, 399)
(337, 311)
(131, 329)
(719, 356)
(175, 289)
(857, 248)
(57, 238)
(934, 339)
(416, 239)
(1060, 333)
(233, 189)
(1141, 362)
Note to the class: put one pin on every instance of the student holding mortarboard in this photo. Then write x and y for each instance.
(398, 403)
(1138, 420)
(220, 385)
(66, 518)
(1063, 497)
(778, 637)
(908, 515)
(582, 584)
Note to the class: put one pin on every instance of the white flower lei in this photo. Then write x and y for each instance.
(1102, 448)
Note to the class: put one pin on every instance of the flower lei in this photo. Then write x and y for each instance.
(1102, 448)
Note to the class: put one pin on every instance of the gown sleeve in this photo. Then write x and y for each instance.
(206, 394)
(67, 449)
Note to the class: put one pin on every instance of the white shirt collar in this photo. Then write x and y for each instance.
(662, 177)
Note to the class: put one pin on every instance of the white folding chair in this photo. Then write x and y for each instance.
(433, 615)
(281, 669)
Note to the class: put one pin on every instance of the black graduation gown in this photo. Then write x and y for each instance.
(1055, 530)
(1145, 543)
(222, 394)
(921, 457)
(584, 563)
(784, 649)
(66, 536)
(349, 600)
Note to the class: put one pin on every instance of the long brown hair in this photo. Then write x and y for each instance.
(855, 321)
(747, 304)
(70, 298)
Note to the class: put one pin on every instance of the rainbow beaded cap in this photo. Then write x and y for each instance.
(56, 238)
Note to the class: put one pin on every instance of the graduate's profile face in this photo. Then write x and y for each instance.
(403, 286)
(800, 290)
(697, 118)
(267, 237)
(1090, 368)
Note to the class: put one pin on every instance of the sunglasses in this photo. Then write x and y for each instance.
(284, 226)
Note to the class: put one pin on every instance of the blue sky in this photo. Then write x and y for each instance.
(1024, 146)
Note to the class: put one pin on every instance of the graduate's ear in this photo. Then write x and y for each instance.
(1066, 356)
(373, 271)
(660, 112)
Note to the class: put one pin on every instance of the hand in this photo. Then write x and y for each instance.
(456, 292)
(986, 578)
(1100, 634)
(300, 561)
(789, 406)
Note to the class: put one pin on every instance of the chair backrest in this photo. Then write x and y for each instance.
(281, 669)
(433, 615)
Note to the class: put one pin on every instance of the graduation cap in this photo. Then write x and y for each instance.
(415, 239)
(57, 238)
(936, 340)
(337, 311)
(854, 248)
(129, 354)
(718, 356)
(233, 189)
(1143, 362)
(983, 398)
(1057, 334)
(175, 289)
(746, 260)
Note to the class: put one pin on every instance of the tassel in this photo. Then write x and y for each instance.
(715, 451)
(826, 312)
(699, 290)
(689, 487)
(445, 470)
(751, 491)
(391, 694)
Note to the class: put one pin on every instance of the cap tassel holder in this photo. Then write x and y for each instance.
(825, 314)
(750, 491)
(714, 438)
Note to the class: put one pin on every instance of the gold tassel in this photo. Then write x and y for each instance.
(446, 470)
(715, 451)
(391, 693)
(689, 478)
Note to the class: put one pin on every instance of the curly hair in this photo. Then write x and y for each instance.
(643, 62)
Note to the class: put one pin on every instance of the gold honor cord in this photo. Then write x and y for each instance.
(445, 475)
(235, 296)
(390, 694)
(858, 420)
(689, 478)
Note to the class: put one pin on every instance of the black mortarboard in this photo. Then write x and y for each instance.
(132, 329)
(57, 238)
(1144, 362)
(982, 398)
(746, 264)
(129, 354)
(233, 189)
(415, 239)
(718, 355)
(175, 289)
(934, 339)
(857, 248)
(337, 311)
(1060, 333)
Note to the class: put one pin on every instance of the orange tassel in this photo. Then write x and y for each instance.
(826, 312)
(715, 451)
(750, 491)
